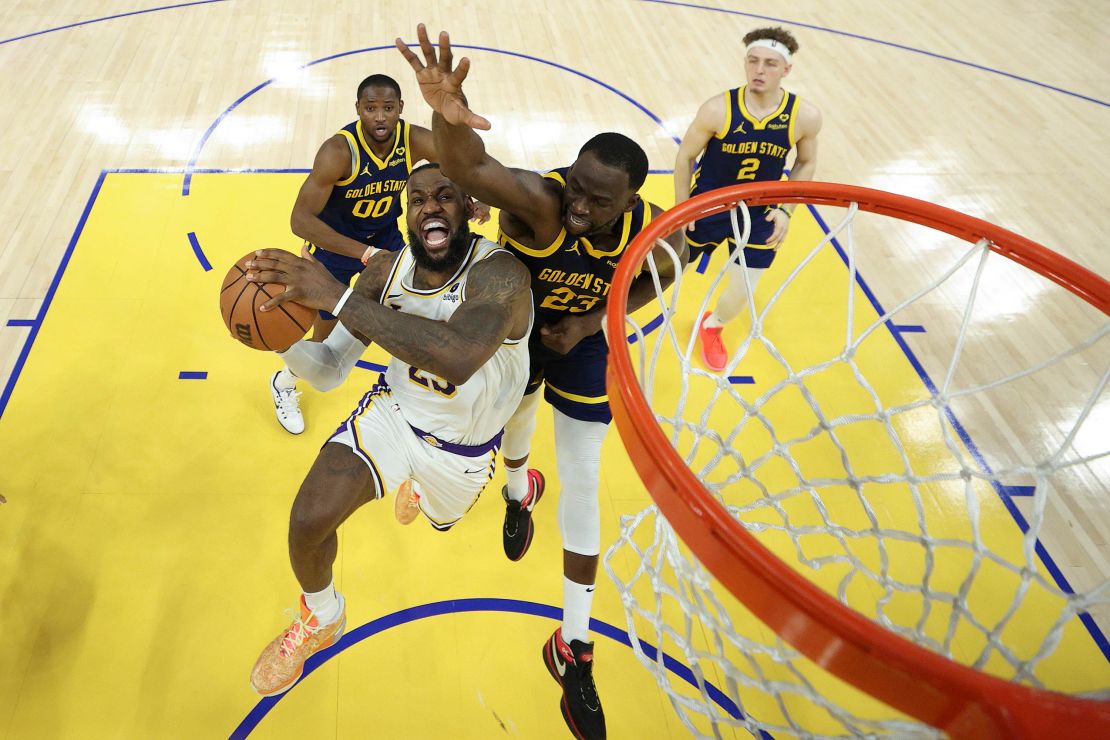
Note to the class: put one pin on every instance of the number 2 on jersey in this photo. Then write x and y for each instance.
(748, 168)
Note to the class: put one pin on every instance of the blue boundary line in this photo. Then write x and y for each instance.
(49, 298)
(460, 606)
(872, 40)
(372, 366)
(190, 168)
(22, 322)
(193, 375)
(1004, 492)
(192, 237)
(108, 18)
(908, 328)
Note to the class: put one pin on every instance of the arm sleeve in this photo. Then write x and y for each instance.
(325, 365)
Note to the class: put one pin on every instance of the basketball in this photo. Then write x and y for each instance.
(274, 330)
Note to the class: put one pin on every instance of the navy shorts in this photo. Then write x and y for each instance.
(344, 268)
(574, 383)
(710, 232)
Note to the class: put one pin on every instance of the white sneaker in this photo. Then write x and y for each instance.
(286, 406)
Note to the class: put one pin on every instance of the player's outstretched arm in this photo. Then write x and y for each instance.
(708, 121)
(461, 152)
(423, 147)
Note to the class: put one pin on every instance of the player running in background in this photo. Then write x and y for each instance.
(745, 135)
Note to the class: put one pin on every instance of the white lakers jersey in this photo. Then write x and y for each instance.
(471, 413)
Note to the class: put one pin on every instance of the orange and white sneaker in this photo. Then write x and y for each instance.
(406, 505)
(712, 346)
(282, 662)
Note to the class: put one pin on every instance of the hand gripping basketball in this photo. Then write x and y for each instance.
(241, 301)
(306, 282)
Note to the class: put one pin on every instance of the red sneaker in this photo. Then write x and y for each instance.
(712, 348)
(516, 534)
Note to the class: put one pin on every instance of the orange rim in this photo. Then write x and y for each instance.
(925, 685)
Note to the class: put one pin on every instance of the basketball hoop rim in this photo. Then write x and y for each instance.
(908, 677)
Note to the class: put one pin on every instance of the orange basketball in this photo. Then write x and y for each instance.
(277, 329)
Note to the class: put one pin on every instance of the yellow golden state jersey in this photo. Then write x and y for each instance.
(467, 414)
(369, 200)
(572, 274)
(747, 148)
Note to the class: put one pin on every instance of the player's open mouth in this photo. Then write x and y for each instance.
(578, 223)
(435, 232)
(381, 130)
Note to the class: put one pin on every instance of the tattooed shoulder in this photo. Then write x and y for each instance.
(498, 277)
(372, 280)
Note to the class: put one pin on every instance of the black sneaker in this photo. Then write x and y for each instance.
(516, 535)
(573, 667)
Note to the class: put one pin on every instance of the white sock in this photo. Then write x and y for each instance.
(517, 481)
(285, 380)
(712, 321)
(324, 604)
(733, 299)
(577, 600)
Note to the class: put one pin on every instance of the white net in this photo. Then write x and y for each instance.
(920, 463)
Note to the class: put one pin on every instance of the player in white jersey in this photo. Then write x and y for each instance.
(454, 311)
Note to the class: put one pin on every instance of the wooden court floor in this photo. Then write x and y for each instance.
(142, 555)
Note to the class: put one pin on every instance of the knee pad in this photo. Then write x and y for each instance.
(578, 457)
(517, 441)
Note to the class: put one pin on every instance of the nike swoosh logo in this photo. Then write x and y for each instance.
(393, 295)
(590, 589)
(477, 470)
(560, 664)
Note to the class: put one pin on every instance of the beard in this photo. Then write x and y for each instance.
(456, 251)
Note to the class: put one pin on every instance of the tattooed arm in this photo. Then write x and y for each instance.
(307, 282)
(325, 365)
(497, 307)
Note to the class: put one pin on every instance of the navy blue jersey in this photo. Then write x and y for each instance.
(368, 202)
(747, 149)
(571, 275)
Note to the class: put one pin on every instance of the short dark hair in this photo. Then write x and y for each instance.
(774, 33)
(617, 150)
(425, 166)
(433, 166)
(379, 81)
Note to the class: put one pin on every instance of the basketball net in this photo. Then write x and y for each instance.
(832, 552)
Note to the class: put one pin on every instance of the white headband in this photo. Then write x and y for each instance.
(775, 46)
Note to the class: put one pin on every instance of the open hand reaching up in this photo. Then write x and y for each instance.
(440, 83)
